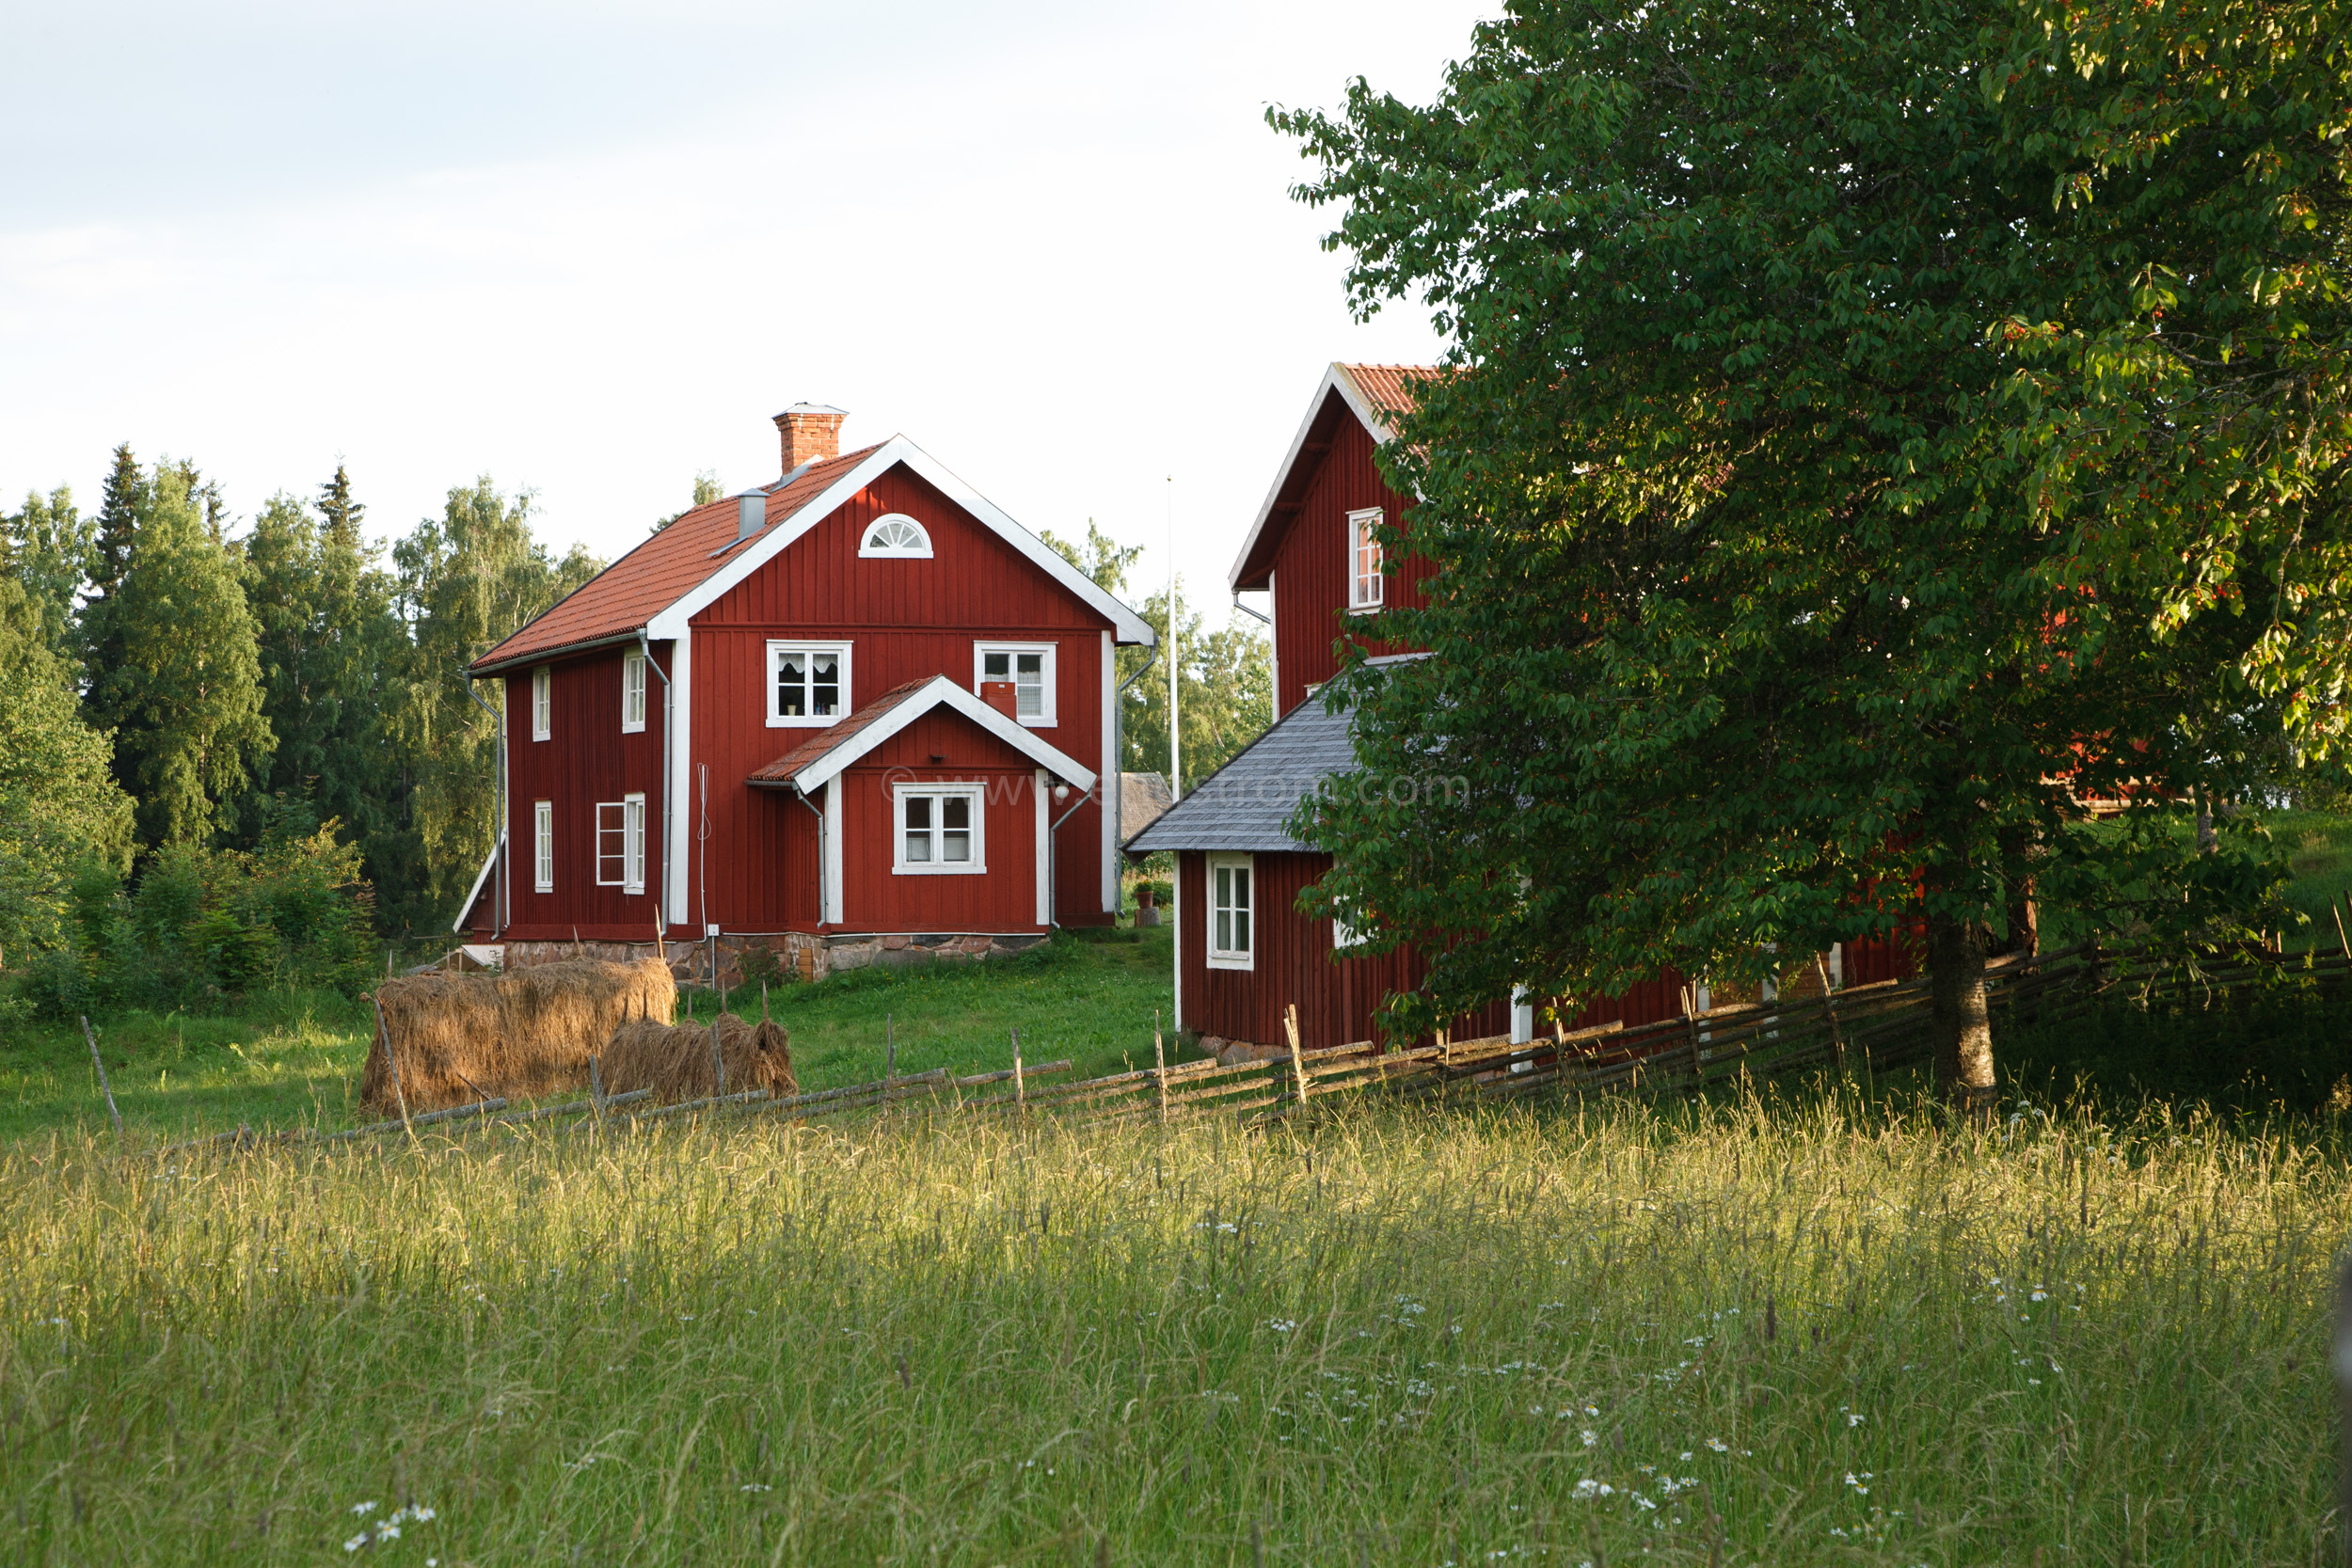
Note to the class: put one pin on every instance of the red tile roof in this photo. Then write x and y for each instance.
(789, 766)
(659, 572)
(1389, 387)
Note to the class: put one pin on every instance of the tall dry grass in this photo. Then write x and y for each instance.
(1806, 1331)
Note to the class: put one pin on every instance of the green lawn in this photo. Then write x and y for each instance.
(279, 1059)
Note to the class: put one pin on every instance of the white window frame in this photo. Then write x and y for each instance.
(622, 824)
(1044, 720)
(612, 828)
(632, 690)
(542, 703)
(542, 845)
(901, 866)
(777, 719)
(1246, 956)
(869, 551)
(1366, 592)
(1344, 936)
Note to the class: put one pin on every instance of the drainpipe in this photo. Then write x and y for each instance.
(501, 894)
(662, 900)
(1246, 611)
(1052, 868)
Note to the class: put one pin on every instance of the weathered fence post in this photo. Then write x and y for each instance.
(596, 1091)
(104, 1087)
(718, 1058)
(1691, 1015)
(1020, 1095)
(1829, 1006)
(2342, 939)
(1298, 1066)
(1159, 1064)
(392, 1060)
(890, 1050)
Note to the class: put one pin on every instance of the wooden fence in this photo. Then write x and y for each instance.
(1861, 1029)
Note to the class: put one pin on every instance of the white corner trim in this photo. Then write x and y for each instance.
(897, 450)
(1106, 798)
(830, 911)
(1522, 1016)
(938, 690)
(1176, 938)
(676, 855)
(1335, 376)
(1044, 851)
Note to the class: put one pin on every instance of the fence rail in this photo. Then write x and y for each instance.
(1865, 1028)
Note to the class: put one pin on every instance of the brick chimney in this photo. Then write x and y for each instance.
(811, 432)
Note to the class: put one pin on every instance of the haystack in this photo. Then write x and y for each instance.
(675, 1063)
(525, 1033)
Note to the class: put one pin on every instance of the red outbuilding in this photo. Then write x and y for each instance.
(1243, 952)
(855, 715)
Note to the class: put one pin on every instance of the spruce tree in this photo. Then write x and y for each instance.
(119, 508)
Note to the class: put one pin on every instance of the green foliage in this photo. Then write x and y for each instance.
(171, 660)
(47, 548)
(60, 806)
(2246, 1052)
(203, 924)
(1822, 510)
(332, 652)
(467, 579)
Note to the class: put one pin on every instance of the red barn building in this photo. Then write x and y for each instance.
(854, 715)
(1243, 951)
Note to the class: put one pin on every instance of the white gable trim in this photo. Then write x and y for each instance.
(1335, 376)
(938, 690)
(779, 536)
(471, 899)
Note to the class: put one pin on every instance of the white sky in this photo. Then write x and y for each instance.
(590, 249)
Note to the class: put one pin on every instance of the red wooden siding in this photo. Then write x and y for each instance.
(1335, 1000)
(876, 899)
(1311, 564)
(904, 620)
(585, 759)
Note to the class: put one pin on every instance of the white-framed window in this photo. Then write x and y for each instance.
(808, 682)
(1365, 585)
(1029, 666)
(621, 844)
(542, 845)
(897, 535)
(542, 703)
(938, 831)
(1345, 935)
(1232, 911)
(632, 690)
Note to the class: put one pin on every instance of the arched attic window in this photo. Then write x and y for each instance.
(899, 535)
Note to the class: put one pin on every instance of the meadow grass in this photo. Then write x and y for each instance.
(282, 1058)
(1789, 1330)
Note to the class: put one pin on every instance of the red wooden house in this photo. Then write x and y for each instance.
(854, 715)
(1244, 953)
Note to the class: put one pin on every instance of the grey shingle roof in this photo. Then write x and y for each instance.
(1244, 804)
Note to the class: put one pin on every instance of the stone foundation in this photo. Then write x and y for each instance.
(796, 955)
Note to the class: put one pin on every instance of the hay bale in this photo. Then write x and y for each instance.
(525, 1033)
(674, 1063)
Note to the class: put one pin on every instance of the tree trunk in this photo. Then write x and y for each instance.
(1964, 1029)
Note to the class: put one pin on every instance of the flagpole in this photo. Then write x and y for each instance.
(1175, 755)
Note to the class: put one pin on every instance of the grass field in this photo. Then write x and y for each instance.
(1806, 1332)
(286, 1058)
